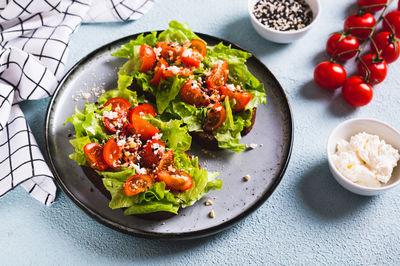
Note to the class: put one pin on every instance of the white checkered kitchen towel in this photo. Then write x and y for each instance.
(34, 36)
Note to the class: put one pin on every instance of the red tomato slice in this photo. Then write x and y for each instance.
(158, 71)
(219, 74)
(94, 156)
(147, 57)
(169, 51)
(192, 93)
(242, 97)
(215, 117)
(138, 183)
(152, 153)
(191, 57)
(167, 160)
(143, 109)
(176, 71)
(118, 104)
(175, 181)
(199, 46)
(112, 154)
(142, 127)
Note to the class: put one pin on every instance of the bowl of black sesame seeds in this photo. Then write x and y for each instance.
(283, 21)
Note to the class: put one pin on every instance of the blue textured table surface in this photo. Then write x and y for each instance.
(309, 219)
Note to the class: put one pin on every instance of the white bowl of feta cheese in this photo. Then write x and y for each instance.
(363, 155)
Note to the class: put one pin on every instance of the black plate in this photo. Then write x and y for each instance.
(266, 165)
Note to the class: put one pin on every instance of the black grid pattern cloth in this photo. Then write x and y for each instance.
(34, 36)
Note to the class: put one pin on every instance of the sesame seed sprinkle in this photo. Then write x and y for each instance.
(283, 15)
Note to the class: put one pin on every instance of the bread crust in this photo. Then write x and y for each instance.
(209, 142)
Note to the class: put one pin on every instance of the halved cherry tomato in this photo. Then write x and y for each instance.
(192, 93)
(175, 181)
(190, 57)
(242, 97)
(142, 127)
(152, 153)
(176, 71)
(112, 154)
(219, 74)
(169, 51)
(158, 71)
(118, 104)
(138, 183)
(143, 109)
(167, 160)
(94, 156)
(215, 117)
(199, 46)
(147, 57)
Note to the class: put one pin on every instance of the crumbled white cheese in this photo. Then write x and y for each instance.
(187, 52)
(231, 87)
(110, 114)
(86, 95)
(174, 69)
(158, 51)
(157, 136)
(366, 159)
(157, 148)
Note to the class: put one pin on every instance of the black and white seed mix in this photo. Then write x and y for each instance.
(283, 15)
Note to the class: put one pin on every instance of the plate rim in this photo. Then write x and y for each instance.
(146, 234)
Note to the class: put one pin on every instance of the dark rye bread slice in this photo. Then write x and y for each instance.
(209, 142)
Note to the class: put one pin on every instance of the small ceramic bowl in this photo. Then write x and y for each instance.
(350, 128)
(282, 36)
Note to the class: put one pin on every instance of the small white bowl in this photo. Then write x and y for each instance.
(282, 36)
(350, 128)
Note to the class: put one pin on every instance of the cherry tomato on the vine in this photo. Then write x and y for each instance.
(358, 21)
(377, 67)
(356, 92)
(329, 75)
(388, 44)
(394, 20)
(339, 43)
(380, 4)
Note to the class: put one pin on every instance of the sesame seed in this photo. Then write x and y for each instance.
(208, 202)
(246, 178)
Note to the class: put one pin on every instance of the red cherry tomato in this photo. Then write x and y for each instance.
(120, 106)
(175, 181)
(389, 46)
(167, 160)
(199, 46)
(176, 71)
(242, 97)
(152, 153)
(169, 51)
(356, 92)
(215, 117)
(329, 75)
(365, 3)
(158, 71)
(142, 127)
(94, 156)
(377, 67)
(219, 74)
(112, 154)
(193, 94)
(138, 183)
(366, 20)
(394, 20)
(147, 57)
(143, 109)
(339, 43)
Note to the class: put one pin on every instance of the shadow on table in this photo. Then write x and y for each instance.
(325, 197)
(76, 229)
(336, 104)
(242, 33)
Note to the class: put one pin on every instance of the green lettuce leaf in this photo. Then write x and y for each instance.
(129, 95)
(177, 32)
(128, 49)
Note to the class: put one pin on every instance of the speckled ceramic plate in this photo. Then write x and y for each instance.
(266, 164)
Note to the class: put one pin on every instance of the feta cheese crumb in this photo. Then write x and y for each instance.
(366, 159)
(85, 95)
